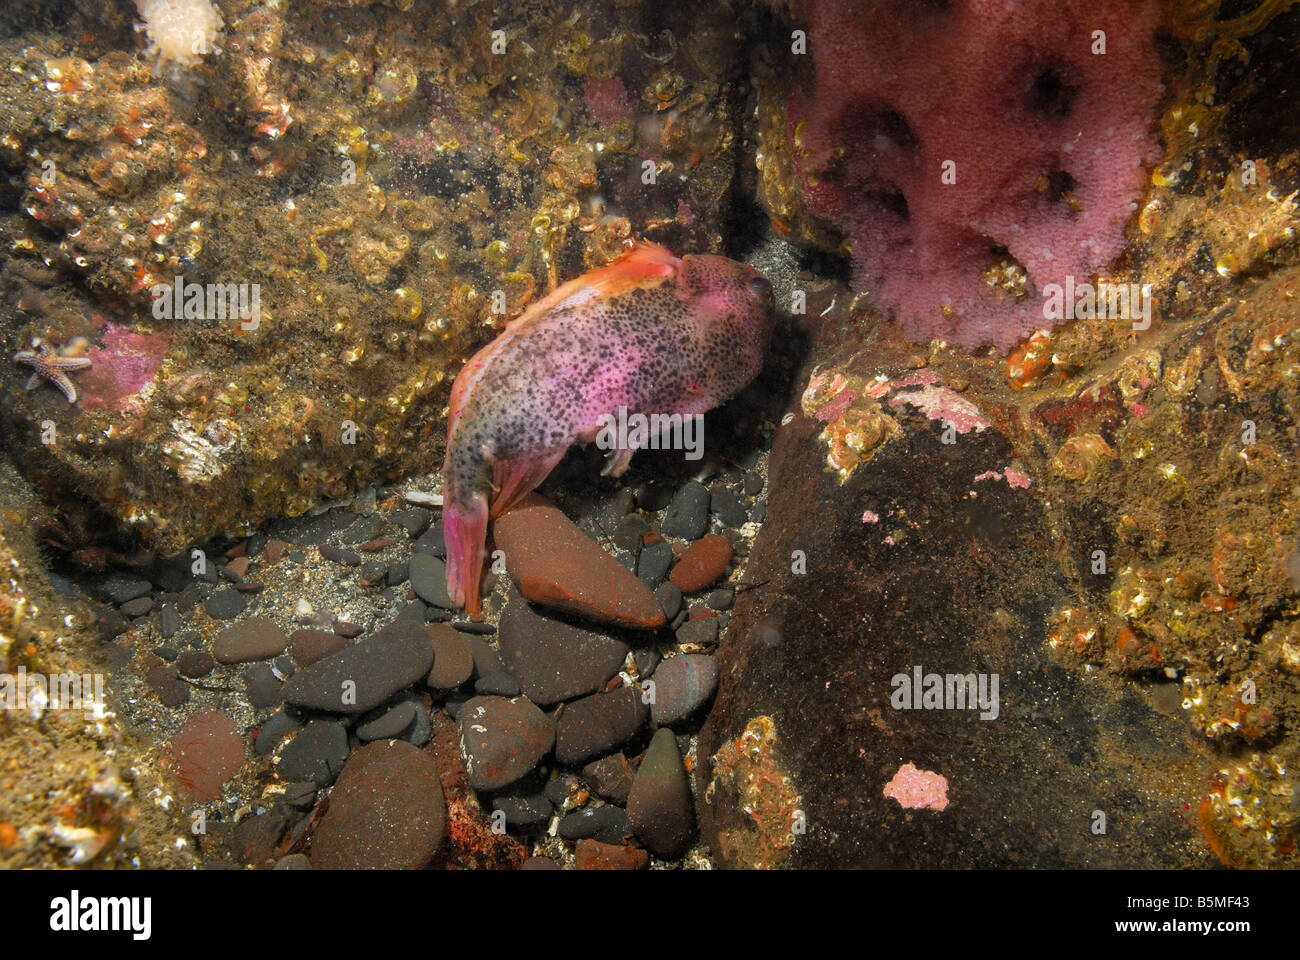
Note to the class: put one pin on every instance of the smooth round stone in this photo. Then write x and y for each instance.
(195, 664)
(721, 599)
(629, 532)
(363, 529)
(524, 804)
(681, 685)
(372, 573)
(487, 659)
(257, 638)
(349, 558)
(703, 564)
(554, 564)
(702, 631)
(452, 662)
(169, 621)
(594, 855)
(540, 863)
(497, 684)
(503, 740)
(208, 751)
(669, 596)
(122, 588)
(607, 824)
(428, 577)
(687, 517)
(432, 542)
(225, 604)
(364, 675)
(262, 686)
(167, 684)
(137, 607)
(414, 520)
(316, 754)
(753, 484)
(309, 646)
(659, 808)
(597, 725)
(727, 508)
(294, 861)
(389, 725)
(269, 735)
(254, 838)
(553, 660)
(387, 812)
(653, 562)
(397, 574)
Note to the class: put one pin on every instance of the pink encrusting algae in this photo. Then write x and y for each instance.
(917, 789)
(650, 332)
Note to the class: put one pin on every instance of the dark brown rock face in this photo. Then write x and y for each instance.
(952, 583)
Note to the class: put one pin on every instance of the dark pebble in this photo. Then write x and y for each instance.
(670, 599)
(316, 754)
(254, 838)
(387, 812)
(753, 484)
(503, 740)
(629, 532)
(653, 564)
(452, 662)
(172, 691)
(308, 646)
(486, 657)
(364, 675)
(293, 861)
(553, 660)
(758, 512)
(349, 630)
(257, 638)
(372, 573)
(432, 543)
(607, 823)
(497, 684)
(166, 653)
(349, 558)
(284, 667)
(398, 573)
(195, 664)
(474, 627)
(122, 588)
(276, 728)
(429, 580)
(364, 529)
(388, 725)
(682, 685)
(647, 661)
(137, 607)
(702, 631)
(414, 520)
(597, 725)
(262, 686)
(725, 506)
(559, 789)
(225, 604)
(659, 807)
(301, 795)
(524, 804)
(109, 623)
(540, 863)
(721, 599)
(688, 513)
(169, 621)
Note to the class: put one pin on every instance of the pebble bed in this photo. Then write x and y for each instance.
(319, 703)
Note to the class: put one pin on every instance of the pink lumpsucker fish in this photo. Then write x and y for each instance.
(650, 332)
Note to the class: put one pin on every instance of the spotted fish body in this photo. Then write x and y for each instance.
(650, 332)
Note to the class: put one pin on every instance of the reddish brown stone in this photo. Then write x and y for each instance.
(703, 564)
(276, 549)
(207, 751)
(594, 855)
(556, 565)
(238, 566)
(311, 645)
(386, 812)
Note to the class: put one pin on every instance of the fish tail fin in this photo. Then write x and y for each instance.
(464, 522)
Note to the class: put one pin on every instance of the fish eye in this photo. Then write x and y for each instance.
(760, 286)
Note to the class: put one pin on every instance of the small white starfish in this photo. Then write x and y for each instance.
(50, 366)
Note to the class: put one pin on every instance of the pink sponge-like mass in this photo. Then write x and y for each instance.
(1048, 139)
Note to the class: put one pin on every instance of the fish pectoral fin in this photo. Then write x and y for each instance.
(512, 480)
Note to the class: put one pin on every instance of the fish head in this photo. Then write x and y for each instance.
(723, 291)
